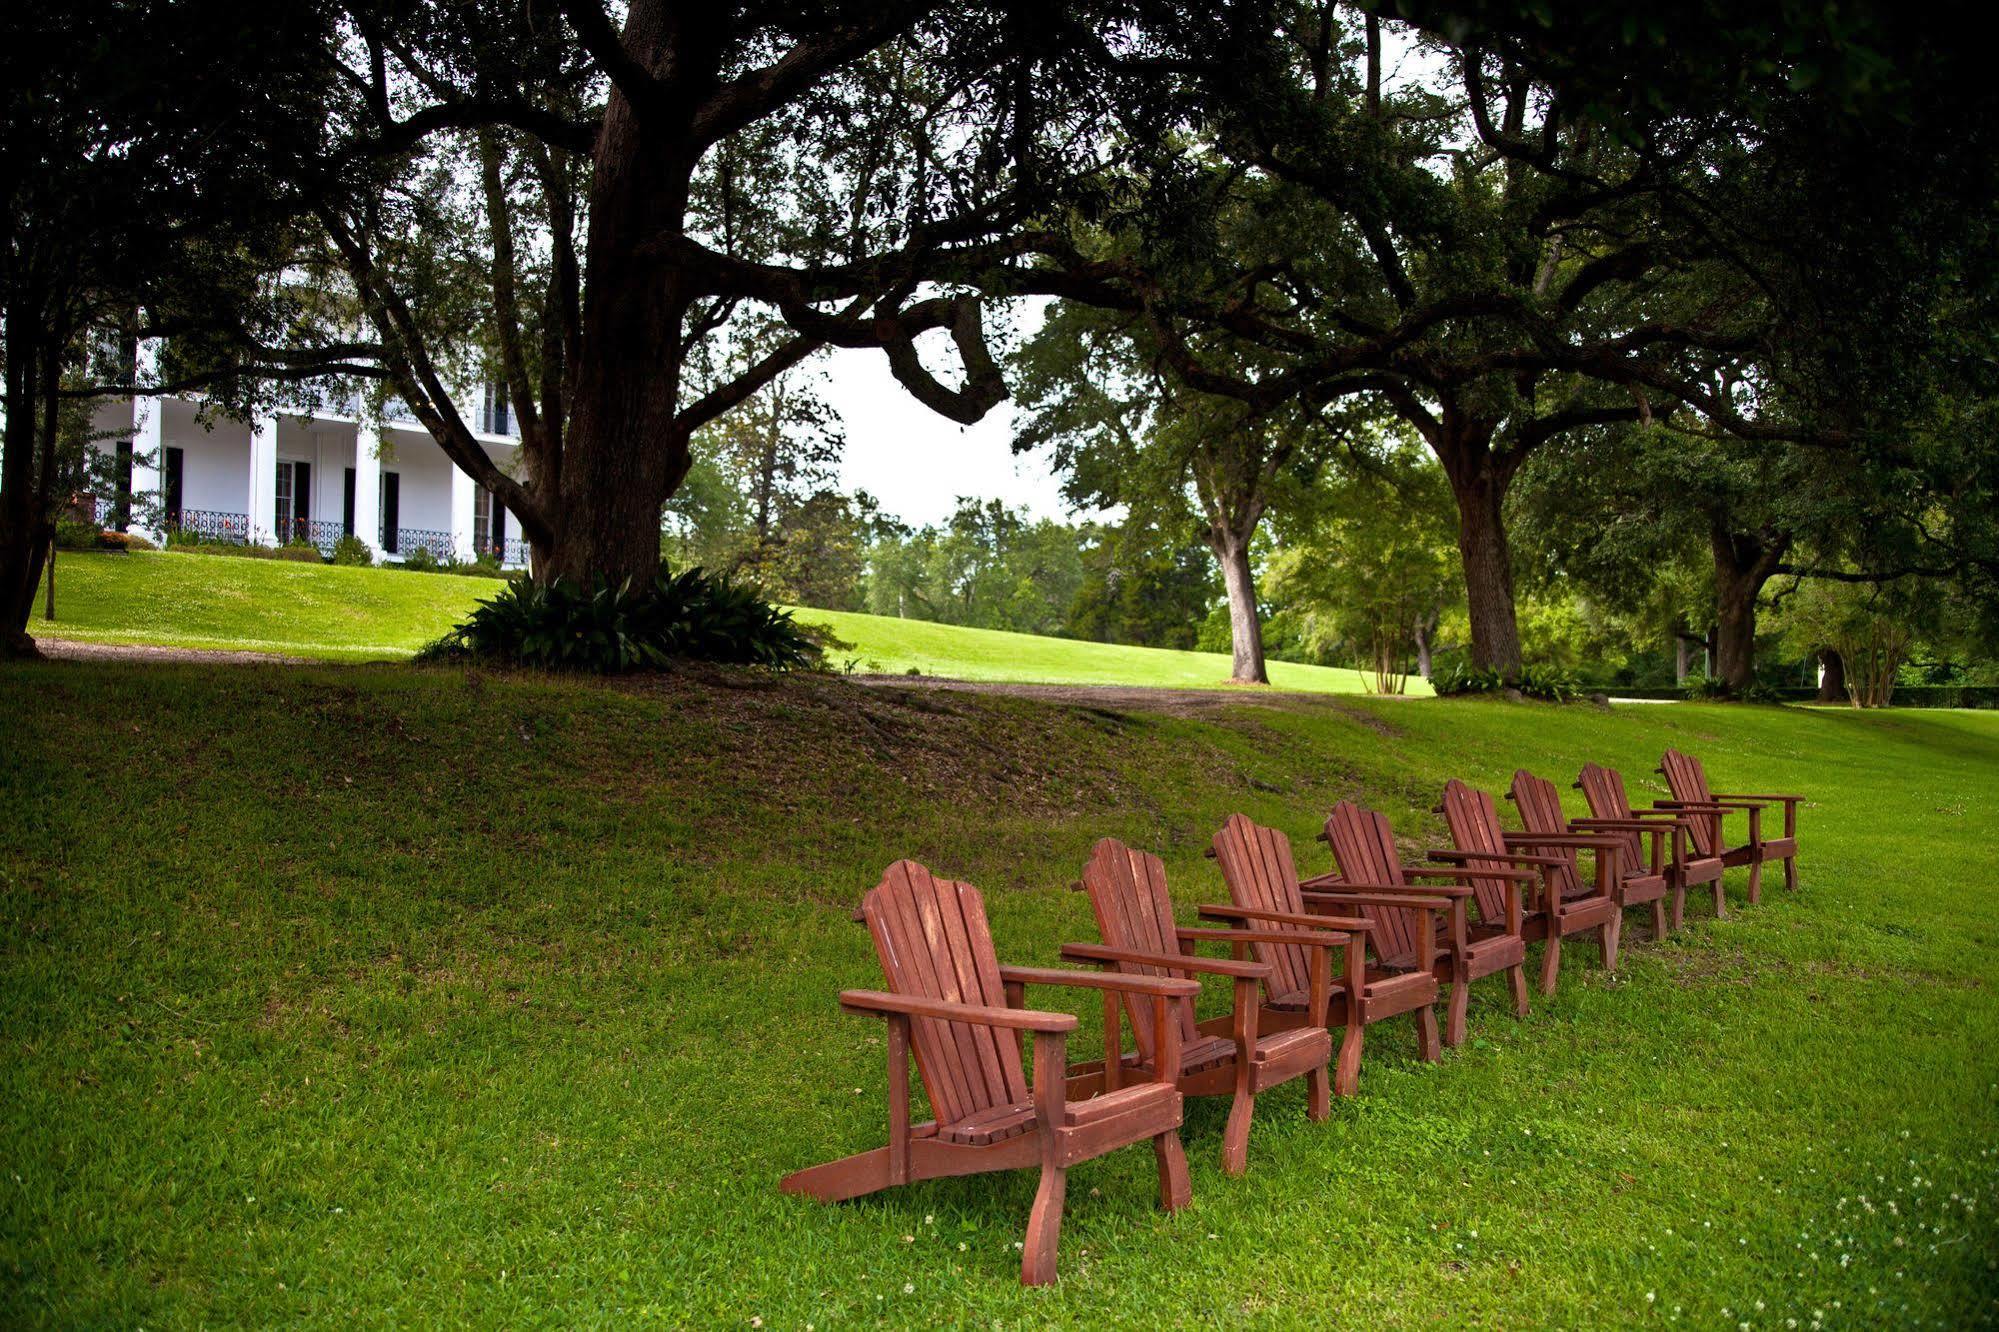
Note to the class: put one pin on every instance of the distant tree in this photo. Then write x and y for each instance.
(1366, 562)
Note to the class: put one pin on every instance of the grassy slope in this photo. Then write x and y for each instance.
(341, 614)
(371, 996)
(885, 644)
(216, 601)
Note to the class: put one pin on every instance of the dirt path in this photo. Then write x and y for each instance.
(70, 649)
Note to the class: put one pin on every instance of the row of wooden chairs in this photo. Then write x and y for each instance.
(1374, 940)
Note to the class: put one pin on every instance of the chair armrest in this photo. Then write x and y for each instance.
(1411, 899)
(1427, 872)
(1165, 987)
(1332, 880)
(1298, 919)
(1166, 961)
(1339, 891)
(1510, 857)
(1706, 806)
(1657, 827)
(909, 1005)
(1308, 938)
(1560, 839)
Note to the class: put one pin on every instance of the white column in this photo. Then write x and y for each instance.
(464, 493)
(148, 458)
(263, 489)
(368, 486)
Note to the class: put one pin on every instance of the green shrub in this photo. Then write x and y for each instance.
(1552, 683)
(74, 534)
(124, 541)
(421, 560)
(351, 549)
(1472, 680)
(606, 630)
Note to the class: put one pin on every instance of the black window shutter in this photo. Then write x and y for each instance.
(347, 506)
(301, 496)
(391, 510)
(176, 474)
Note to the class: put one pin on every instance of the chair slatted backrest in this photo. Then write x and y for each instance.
(1603, 788)
(1473, 817)
(932, 939)
(1540, 806)
(1687, 780)
(1127, 891)
(1364, 848)
(1262, 875)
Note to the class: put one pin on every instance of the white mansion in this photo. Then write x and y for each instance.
(316, 476)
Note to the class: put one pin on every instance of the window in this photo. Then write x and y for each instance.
(497, 415)
(294, 506)
(489, 525)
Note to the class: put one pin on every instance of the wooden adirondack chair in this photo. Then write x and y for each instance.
(1225, 1056)
(1564, 906)
(1634, 882)
(1611, 812)
(1364, 847)
(1399, 929)
(1706, 809)
(951, 1001)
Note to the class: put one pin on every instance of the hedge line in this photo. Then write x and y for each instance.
(1906, 696)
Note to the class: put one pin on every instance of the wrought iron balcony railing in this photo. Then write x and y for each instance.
(316, 532)
(212, 525)
(409, 540)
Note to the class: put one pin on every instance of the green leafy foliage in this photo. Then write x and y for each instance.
(351, 550)
(605, 630)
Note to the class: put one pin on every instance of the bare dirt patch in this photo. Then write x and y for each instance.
(70, 649)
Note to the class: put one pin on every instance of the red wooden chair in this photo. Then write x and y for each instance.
(951, 1001)
(1706, 809)
(1564, 905)
(1611, 812)
(1364, 847)
(1228, 1055)
(1634, 881)
(1399, 929)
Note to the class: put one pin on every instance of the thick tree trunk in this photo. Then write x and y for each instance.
(1679, 659)
(1742, 564)
(25, 529)
(1488, 569)
(1245, 626)
(1423, 646)
(1832, 676)
(624, 453)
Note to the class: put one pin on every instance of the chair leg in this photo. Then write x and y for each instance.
(1551, 962)
(1175, 1190)
(1658, 920)
(1791, 873)
(1318, 1095)
(1235, 1136)
(1516, 979)
(1426, 1033)
(1346, 1076)
(1611, 931)
(1720, 898)
(1755, 882)
(1454, 1021)
(1044, 1228)
(1679, 906)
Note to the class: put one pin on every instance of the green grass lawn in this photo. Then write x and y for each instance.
(327, 612)
(366, 996)
(346, 614)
